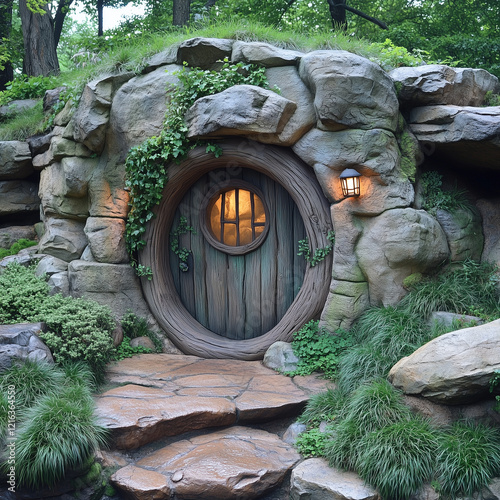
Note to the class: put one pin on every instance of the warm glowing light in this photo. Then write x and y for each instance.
(349, 180)
(237, 217)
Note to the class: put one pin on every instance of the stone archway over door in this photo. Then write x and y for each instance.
(282, 167)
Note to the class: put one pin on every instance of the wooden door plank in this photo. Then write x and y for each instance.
(235, 325)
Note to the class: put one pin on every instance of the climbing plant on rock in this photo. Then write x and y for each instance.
(147, 164)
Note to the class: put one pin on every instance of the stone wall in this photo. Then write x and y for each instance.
(335, 110)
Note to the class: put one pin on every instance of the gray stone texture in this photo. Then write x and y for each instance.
(264, 54)
(315, 479)
(413, 242)
(9, 235)
(50, 265)
(447, 319)
(280, 357)
(63, 238)
(106, 237)
(18, 197)
(293, 88)
(440, 84)
(350, 91)
(204, 53)
(240, 110)
(463, 230)
(455, 368)
(115, 285)
(15, 160)
(490, 213)
(20, 342)
(59, 283)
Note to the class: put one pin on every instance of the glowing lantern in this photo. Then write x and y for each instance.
(349, 180)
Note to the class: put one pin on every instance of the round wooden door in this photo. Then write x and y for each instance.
(243, 270)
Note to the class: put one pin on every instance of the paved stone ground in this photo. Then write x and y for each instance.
(198, 428)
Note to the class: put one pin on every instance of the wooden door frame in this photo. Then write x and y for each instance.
(285, 168)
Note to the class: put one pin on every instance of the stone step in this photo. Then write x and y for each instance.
(167, 395)
(237, 462)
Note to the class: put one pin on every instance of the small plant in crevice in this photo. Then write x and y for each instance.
(320, 253)
(318, 350)
(17, 247)
(146, 165)
(311, 443)
(436, 198)
(494, 386)
(181, 252)
(134, 326)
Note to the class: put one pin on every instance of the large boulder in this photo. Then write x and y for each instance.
(15, 160)
(264, 54)
(412, 242)
(280, 357)
(204, 53)
(350, 91)
(106, 236)
(315, 479)
(240, 110)
(291, 87)
(18, 197)
(464, 233)
(454, 368)
(20, 342)
(440, 84)
(63, 238)
(9, 235)
(464, 135)
(490, 213)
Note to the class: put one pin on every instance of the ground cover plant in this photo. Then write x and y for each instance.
(55, 426)
(369, 429)
(16, 247)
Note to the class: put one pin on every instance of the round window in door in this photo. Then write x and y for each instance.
(234, 217)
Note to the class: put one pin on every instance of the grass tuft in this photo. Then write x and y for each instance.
(324, 406)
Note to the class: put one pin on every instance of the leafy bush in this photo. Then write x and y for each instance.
(318, 350)
(491, 99)
(21, 293)
(311, 443)
(468, 458)
(16, 247)
(77, 330)
(27, 88)
(125, 350)
(398, 458)
(324, 406)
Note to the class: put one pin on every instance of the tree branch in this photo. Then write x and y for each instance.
(364, 16)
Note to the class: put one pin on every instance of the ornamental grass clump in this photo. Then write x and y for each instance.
(468, 458)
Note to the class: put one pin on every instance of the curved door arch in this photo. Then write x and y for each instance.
(238, 291)
(282, 167)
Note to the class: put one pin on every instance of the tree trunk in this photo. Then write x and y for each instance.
(337, 12)
(40, 56)
(100, 17)
(181, 12)
(62, 9)
(6, 74)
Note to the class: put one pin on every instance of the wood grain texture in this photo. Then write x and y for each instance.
(283, 167)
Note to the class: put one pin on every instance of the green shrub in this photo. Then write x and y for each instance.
(125, 350)
(435, 198)
(21, 293)
(398, 458)
(468, 458)
(311, 443)
(16, 247)
(26, 88)
(57, 434)
(491, 99)
(77, 330)
(324, 406)
(32, 380)
(318, 350)
(342, 449)
(133, 326)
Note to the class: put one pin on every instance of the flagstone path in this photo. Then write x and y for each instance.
(160, 399)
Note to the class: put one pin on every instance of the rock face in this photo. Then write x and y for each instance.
(490, 213)
(240, 110)
(314, 479)
(280, 356)
(9, 235)
(440, 84)
(234, 463)
(20, 342)
(454, 368)
(15, 160)
(414, 242)
(18, 197)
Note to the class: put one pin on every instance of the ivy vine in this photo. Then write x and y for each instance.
(181, 252)
(320, 253)
(146, 164)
